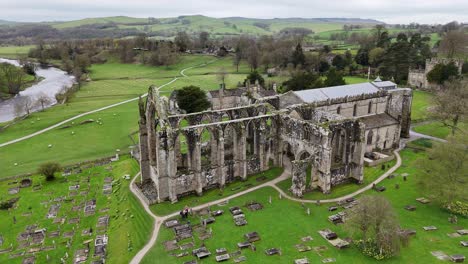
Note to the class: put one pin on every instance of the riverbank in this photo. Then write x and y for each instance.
(38, 96)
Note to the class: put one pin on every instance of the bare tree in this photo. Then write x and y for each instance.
(451, 105)
(23, 106)
(222, 75)
(454, 42)
(43, 100)
(446, 180)
(374, 219)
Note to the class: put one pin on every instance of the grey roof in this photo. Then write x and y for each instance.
(379, 120)
(384, 84)
(321, 94)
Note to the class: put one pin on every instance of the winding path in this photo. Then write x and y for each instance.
(182, 74)
(158, 220)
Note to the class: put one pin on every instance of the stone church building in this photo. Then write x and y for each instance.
(321, 134)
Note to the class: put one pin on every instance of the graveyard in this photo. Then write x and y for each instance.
(278, 230)
(88, 215)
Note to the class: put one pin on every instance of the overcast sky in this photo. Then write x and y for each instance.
(389, 11)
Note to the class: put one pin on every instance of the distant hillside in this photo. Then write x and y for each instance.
(228, 26)
(167, 28)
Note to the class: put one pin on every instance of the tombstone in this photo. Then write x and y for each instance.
(240, 259)
(252, 237)
(269, 199)
(217, 213)
(280, 196)
(171, 223)
(464, 243)
(201, 253)
(410, 207)
(272, 251)
(430, 228)
(301, 261)
(308, 211)
(242, 245)
(457, 258)
(221, 251)
(223, 257)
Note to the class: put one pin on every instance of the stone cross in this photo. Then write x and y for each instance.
(280, 196)
(308, 211)
(269, 199)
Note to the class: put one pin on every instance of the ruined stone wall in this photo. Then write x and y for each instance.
(399, 107)
(383, 138)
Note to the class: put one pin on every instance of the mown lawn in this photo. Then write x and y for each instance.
(283, 223)
(437, 129)
(421, 103)
(112, 83)
(128, 222)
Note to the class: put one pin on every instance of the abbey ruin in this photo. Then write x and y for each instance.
(418, 77)
(249, 130)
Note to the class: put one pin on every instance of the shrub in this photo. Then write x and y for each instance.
(49, 169)
(370, 248)
(458, 207)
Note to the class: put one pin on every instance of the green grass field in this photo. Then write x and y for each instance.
(421, 103)
(283, 223)
(12, 52)
(437, 129)
(128, 222)
(111, 83)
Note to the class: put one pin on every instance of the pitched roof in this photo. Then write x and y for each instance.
(321, 94)
(379, 120)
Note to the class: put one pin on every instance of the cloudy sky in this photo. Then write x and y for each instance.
(389, 11)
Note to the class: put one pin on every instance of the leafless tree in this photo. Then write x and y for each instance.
(222, 75)
(43, 100)
(23, 106)
(451, 105)
(454, 43)
(374, 218)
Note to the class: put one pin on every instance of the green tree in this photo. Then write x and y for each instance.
(302, 81)
(253, 77)
(49, 169)
(396, 60)
(192, 99)
(334, 78)
(376, 56)
(298, 57)
(339, 62)
(442, 72)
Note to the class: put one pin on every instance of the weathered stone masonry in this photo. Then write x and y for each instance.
(190, 153)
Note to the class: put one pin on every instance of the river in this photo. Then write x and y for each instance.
(54, 80)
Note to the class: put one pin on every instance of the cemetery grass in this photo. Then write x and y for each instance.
(128, 223)
(282, 224)
(193, 200)
(370, 174)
